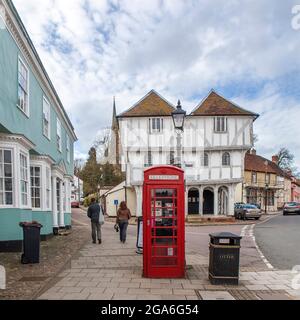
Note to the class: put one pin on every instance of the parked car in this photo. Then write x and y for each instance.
(246, 211)
(74, 204)
(256, 205)
(291, 207)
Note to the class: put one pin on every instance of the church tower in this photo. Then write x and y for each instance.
(115, 133)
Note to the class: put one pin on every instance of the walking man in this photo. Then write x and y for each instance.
(94, 212)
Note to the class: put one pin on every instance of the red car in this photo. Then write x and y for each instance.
(74, 204)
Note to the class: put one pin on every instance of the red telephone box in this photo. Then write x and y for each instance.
(163, 223)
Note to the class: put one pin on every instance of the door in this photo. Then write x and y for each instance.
(162, 230)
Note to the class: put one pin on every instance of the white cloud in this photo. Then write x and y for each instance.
(94, 49)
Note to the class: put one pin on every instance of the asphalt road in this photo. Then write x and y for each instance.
(279, 240)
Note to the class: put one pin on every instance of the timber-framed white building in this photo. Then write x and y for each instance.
(217, 134)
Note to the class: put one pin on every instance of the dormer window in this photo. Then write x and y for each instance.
(156, 125)
(220, 124)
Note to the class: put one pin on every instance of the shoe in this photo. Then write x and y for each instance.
(94, 241)
(99, 241)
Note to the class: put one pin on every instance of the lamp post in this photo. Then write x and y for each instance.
(99, 188)
(266, 186)
(178, 119)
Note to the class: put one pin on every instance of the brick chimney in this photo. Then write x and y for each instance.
(275, 159)
(253, 151)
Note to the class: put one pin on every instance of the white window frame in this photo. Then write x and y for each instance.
(220, 124)
(4, 205)
(25, 179)
(204, 157)
(46, 117)
(40, 187)
(156, 125)
(229, 157)
(58, 135)
(68, 148)
(48, 196)
(25, 110)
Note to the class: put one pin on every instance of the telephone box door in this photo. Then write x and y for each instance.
(164, 230)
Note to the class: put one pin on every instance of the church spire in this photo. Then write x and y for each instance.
(114, 125)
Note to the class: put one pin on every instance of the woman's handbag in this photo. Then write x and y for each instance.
(116, 227)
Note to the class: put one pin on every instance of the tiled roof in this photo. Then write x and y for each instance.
(257, 163)
(214, 104)
(150, 105)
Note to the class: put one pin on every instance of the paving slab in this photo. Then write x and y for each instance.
(216, 295)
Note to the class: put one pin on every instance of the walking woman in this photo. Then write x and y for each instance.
(123, 215)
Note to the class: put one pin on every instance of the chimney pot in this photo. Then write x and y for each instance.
(253, 151)
(275, 159)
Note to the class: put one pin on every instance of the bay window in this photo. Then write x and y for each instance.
(6, 177)
(35, 178)
(48, 188)
(24, 179)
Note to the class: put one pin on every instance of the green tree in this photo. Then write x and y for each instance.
(111, 174)
(91, 173)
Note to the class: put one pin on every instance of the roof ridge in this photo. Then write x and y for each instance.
(143, 98)
(199, 105)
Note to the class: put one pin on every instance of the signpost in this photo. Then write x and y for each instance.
(116, 202)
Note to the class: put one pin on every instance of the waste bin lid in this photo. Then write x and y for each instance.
(30, 224)
(224, 235)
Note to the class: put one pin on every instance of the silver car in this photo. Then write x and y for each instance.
(246, 211)
(291, 207)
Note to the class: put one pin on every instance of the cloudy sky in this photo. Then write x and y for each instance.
(248, 51)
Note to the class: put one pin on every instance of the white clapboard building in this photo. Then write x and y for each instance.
(212, 148)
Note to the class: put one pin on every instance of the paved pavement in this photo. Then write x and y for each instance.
(279, 240)
(113, 270)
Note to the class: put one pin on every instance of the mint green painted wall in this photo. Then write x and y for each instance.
(9, 223)
(44, 218)
(14, 119)
(68, 219)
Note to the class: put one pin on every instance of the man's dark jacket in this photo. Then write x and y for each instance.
(94, 212)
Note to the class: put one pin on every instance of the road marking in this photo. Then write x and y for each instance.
(243, 231)
(264, 259)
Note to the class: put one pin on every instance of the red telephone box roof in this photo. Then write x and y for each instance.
(164, 173)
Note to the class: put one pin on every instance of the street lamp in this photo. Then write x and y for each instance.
(178, 119)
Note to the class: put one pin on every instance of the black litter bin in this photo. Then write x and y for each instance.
(224, 258)
(31, 242)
